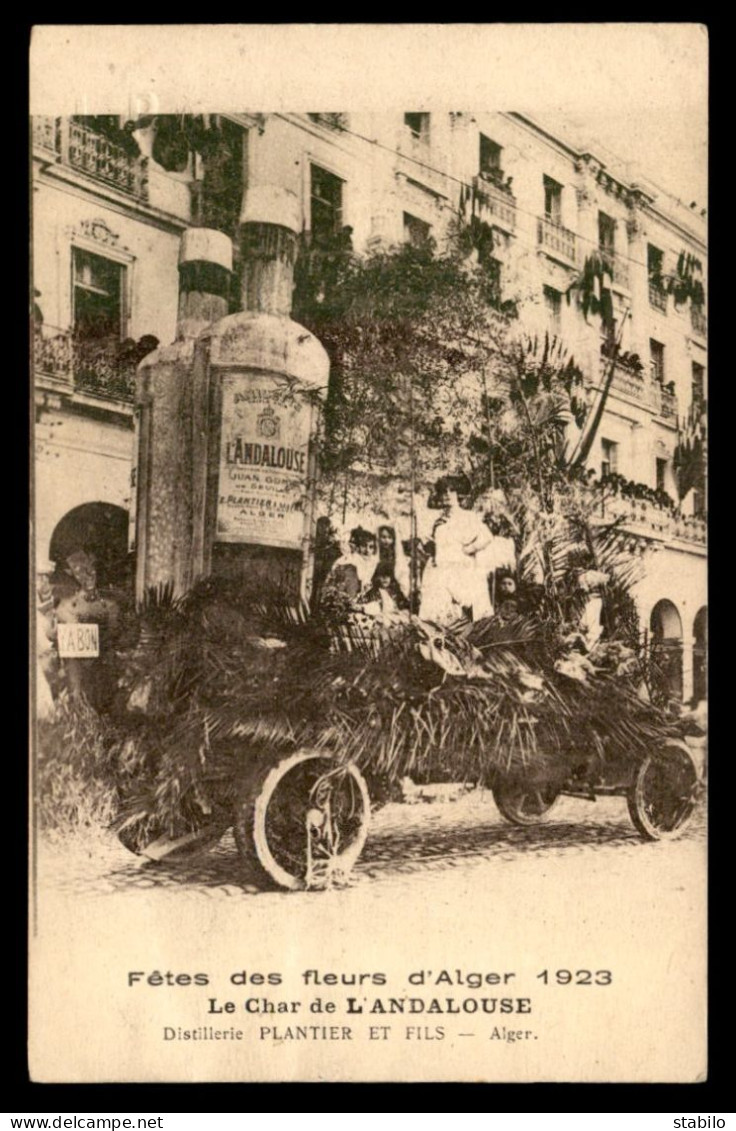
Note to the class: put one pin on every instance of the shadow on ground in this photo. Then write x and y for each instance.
(404, 839)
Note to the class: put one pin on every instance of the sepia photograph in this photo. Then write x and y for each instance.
(369, 576)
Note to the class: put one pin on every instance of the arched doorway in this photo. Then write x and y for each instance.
(100, 529)
(665, 627)
(700, 655)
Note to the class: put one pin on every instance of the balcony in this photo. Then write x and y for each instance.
(627, 379)
(666, 402)
(75, 146)
(658, 523)
(499, 206)
(657, 297)
(618, 268)
(646, 390)
(698, 321)
(103, 367)
(558, 242)
(53, 355)
(628, 383)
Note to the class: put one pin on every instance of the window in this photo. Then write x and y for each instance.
(609, 457)
(553, 305)
(656, 360)
(606, 234)
(609, 331)
(661, 474)
(490, 159)
(698, 384)
(326, 204)
(552, 200)
(609, 336)
(98, 310)
(655, 268)
(655, 264)
(418, 126)
(416, 231)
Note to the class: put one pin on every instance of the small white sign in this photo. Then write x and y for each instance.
(78, 641)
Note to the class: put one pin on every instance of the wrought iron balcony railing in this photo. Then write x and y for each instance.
(101, 367)
(556, 240)
(77, 146)
(500, 205)
(52, 353)
(105, 367)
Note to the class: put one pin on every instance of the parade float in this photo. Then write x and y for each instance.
(250, 700)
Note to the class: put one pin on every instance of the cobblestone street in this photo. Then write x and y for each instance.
(441, 833)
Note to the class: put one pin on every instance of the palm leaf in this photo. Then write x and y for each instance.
(240, 675)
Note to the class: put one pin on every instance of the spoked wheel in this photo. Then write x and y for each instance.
(302, 822)
(524, 804)
(664, 792)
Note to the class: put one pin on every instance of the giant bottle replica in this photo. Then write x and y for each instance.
(226, 416)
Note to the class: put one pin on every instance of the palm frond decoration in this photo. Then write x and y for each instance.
(238, 675)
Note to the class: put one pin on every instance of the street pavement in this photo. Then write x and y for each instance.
(443, 831)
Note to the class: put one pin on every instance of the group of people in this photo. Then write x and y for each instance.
(463, 570)
(374, 572)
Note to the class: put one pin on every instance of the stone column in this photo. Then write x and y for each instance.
(688, 644)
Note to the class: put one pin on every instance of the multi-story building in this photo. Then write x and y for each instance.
(107, 222)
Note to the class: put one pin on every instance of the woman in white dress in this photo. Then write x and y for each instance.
(458, 579)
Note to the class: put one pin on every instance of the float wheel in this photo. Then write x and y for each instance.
(302, 821)
(664, 793)
(524, 804)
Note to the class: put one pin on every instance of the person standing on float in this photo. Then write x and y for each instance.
(353, 571)
(458, 580)
(391, 554)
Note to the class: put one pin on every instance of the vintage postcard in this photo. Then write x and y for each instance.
(370, 494)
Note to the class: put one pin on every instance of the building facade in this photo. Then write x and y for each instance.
(111, 199)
